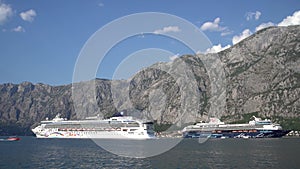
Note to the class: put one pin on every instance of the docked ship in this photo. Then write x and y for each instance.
(256, 128)
(116, 127)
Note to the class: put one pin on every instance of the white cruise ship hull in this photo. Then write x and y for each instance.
(96, 135)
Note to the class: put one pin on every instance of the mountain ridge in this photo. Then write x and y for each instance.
(262, 78)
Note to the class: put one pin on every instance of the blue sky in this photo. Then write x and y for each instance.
(41, 40)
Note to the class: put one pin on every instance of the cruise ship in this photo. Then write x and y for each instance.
(256, 128)
(116, 127)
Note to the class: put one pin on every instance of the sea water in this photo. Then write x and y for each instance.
(31, 152)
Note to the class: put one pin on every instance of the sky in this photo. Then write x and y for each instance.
(40, 41)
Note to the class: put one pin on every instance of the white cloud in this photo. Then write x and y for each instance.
(18, 29)
(250, 15)
(215, 26)
(174, 57)
(5, 12)
(264, 25)
(216, 48)
(226, 32)
(199, 52)
(243, 35)
(167, 29)
(212, 26)
(257, 15)
(28, 15)
(291, 20)
(100, 4)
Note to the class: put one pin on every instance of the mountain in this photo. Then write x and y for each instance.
(263, 75)
(258, 76)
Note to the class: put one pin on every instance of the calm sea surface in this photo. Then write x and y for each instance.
(219, 153)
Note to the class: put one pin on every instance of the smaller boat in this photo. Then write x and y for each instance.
(12, 138)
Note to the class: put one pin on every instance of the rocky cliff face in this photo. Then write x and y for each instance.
(23, 105)
(261, 76)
